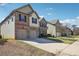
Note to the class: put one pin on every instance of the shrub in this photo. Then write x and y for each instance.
(53, 36)
(41, 35)
(49, 35)
(2, 41)
(0, 36)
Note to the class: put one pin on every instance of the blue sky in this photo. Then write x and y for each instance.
(66, 13)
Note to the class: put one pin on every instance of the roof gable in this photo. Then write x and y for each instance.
(42, 19)
(28, 6)
(7, 17)
(25, 9)
(54, 21)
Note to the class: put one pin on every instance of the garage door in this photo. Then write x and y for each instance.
(21, 34)
(33, 34)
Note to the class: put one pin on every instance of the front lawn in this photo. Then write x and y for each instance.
(67, 40)
(75, 36)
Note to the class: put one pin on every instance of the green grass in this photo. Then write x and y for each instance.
(75, 36)
(67, 40)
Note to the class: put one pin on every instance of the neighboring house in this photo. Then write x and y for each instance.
(66, 31)
(43, 26)
(76, 31)
(51, 29)
(69, 31)
(55, 28)
(21, 23)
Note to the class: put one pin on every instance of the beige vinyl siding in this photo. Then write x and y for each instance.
(25, 10)
(8, 28)
(30, 21)
(51, 29)
(34, 28)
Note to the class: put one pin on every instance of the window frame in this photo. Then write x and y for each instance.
(25, 18)
(34, 20)
(12, 19)
(22, 18)
(8, 21)
(19, 17)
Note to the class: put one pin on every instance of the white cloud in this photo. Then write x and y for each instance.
(3, 4)
(49, 14)
(49, 8)
(2, 19)
(77, 17)
(74, 21)
(41, 16)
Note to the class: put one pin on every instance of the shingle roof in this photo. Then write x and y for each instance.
(17, 9)
(7, 17)
(49, 23)
(42, 18)
(54, 21)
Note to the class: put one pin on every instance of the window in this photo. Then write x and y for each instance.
(34, 20)
(22, 18)
(19, 17)
(42, 25)
(12, 19)
(8, 21)
(25, 18)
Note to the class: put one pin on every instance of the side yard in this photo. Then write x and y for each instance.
(17, 48)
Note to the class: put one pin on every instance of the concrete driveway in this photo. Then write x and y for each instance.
(71, 50)
(48, 45)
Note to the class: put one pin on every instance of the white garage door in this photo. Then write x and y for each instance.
(33, 34)
(21, 34)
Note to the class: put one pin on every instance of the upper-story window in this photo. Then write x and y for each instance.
(12, 19)
(43, 25)
(34, 20)
(8, 21)
(22, 18)
(25, 18)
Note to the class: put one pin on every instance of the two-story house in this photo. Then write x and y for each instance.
(76, 30)
(21, 23)
(42, 26)
(55, 28)
(66, 31)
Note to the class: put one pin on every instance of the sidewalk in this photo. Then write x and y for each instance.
(72, 50)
